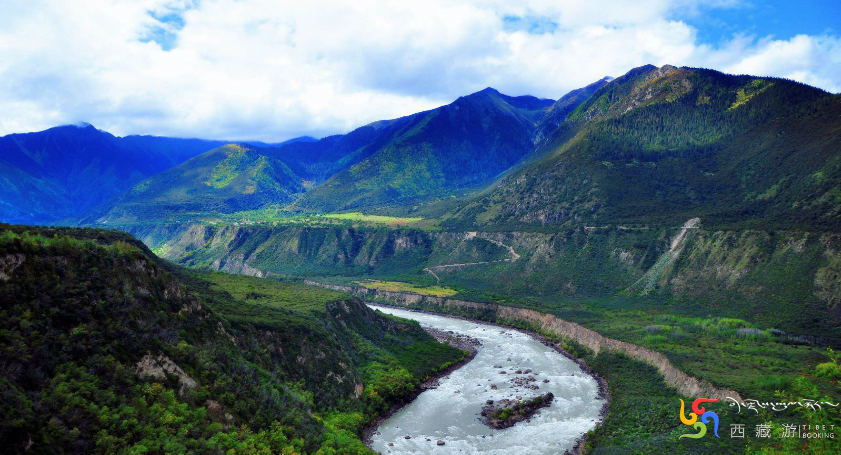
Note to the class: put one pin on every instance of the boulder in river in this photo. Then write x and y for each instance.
(506, 413)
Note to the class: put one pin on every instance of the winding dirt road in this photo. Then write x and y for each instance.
(470, 236)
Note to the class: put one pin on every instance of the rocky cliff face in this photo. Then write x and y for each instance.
(757, 275)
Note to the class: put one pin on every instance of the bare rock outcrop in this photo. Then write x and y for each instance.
(8, 264)
(158, 367)
(218, 413)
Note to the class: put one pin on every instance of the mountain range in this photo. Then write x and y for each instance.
(591, 194)
(385, 165)
(656, 144)
(65, 173)
(662, 145)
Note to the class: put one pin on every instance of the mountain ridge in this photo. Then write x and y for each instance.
(658, 133)
(63, 173)
(655, 140)
(453, 134)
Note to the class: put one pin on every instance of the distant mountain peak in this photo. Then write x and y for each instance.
(643, 68)
(73, 126)
(528, 102)
(484, 93)
(80, 126)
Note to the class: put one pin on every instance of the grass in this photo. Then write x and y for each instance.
(643, 413)
(399, 286)
(745, 94)
(375, 219)
(295, 297)
(276, 215)
(728, 352)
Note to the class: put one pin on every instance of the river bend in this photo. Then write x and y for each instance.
(450, 413)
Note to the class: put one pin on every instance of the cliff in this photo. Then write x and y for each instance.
(782, 279)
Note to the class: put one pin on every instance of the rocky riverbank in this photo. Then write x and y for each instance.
(459, 341)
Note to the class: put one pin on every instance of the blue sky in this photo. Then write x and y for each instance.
(780, 19)
(268, 70)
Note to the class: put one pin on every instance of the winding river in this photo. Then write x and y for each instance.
(450, 413)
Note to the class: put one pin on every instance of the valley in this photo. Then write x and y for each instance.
(674, 230)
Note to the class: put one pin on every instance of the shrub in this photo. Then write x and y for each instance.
(653, 339)
(828, 370)
(831, 369)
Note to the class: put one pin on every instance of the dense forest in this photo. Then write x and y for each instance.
(662, 145)
(107, 349)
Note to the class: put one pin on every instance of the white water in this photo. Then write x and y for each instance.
(451, 411)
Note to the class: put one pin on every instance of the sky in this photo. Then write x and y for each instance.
(271, 70)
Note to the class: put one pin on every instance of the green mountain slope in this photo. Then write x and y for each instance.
(458, 146)
(558, 112)
(68, 171)
(105, 348)
(316, 161)
(228, 179)
(662, 145)
(782, 279)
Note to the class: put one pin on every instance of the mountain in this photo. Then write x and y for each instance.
(316, 161)
(227, 179)
(109, 349)
(65, 172)
(688, 188)
(558, 112)
(683, 210)
(662, 145)
(431, 154)
(395, 162)
(278, 144)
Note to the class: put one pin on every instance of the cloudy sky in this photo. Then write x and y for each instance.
(270, 70)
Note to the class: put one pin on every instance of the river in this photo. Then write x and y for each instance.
(450, 413)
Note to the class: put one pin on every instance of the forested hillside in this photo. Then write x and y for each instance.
(108, 349)
(662, 145)
(458, 146)
(227, 179)
(64, 173)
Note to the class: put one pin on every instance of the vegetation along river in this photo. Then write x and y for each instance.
(450, 412)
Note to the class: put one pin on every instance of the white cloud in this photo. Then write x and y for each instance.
(815, 60)
(260, 69)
